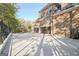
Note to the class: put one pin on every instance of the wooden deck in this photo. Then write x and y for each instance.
(25, 44)
(35, 44)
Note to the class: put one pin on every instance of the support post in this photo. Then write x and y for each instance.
(39, 30)
(71, 16)
(52, 32)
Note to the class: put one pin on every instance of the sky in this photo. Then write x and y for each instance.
(29, 11)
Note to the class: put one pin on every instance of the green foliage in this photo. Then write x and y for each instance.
(30, 27)
(8, 15)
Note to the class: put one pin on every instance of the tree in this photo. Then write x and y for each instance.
(8, 15)
(25, 26)
(30, 28)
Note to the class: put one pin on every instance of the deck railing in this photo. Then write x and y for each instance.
(5, 34)
(4, 44)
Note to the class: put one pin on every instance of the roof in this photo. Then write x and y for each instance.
(38, 20)
(49, 4)
(67, 10)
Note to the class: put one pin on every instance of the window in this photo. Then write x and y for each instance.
(55, 9)
(41, 14)
(50, 10)
(58, 6)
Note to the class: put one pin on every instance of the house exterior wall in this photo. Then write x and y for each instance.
(61, 23)
(64, 20)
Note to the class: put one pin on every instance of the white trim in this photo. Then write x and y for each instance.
(2, 46)
(10, 49)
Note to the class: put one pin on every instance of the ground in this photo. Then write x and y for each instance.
(35, 44)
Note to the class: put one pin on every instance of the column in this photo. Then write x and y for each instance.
(52, 26)
(71, 16)
(39, 30)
